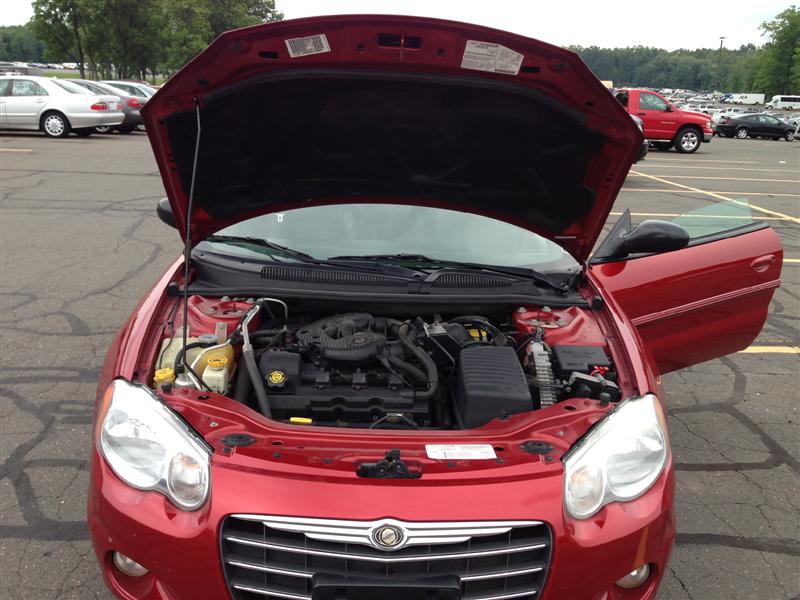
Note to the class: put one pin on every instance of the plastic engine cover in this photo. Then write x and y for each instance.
(491, 384)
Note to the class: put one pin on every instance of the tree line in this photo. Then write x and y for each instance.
(126, 38)
(773, 68)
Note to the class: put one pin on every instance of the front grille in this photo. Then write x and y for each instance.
(277, 557)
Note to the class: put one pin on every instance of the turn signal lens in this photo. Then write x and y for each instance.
(128, 566)
(635, 578)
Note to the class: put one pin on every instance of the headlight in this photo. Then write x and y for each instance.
(150, 448)
(618, 460)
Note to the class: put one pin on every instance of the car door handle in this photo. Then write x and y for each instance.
(39, 101)
(762, 263)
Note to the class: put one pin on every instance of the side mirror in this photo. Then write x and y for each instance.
(654, 236)
(669, 108)
(164, 212)
(648, 237)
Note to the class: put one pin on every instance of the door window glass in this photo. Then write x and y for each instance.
(651, 102)
(25, 87)
(716, 218)
(5, 87)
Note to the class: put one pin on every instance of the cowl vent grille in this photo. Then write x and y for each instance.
(468, 280)
(303, 275)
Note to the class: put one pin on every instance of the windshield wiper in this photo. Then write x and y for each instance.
(421, 261)
(284, 251)
(244, 241)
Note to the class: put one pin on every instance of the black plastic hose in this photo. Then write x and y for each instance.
(407, 367)
(255, 379)
(425, 359)
(244, 385)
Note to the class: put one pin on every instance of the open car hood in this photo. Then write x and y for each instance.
(392, 109)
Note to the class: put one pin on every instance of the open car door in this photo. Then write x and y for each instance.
(705, 300)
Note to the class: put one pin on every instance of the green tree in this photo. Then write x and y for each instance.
(59, 24)
(224, 15)
(187, 31)
(18, 43)
(776, 64)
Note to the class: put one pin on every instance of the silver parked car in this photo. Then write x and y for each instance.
(131, 105)
(54, 106)
(133, 87)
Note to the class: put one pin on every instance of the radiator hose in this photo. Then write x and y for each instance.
(426, 361)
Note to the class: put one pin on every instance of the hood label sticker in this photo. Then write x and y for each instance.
(460, 451)
(494, 58)
(312, 44)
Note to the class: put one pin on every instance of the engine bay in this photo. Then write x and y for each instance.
(386, 371)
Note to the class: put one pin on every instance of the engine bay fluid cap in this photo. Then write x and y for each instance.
(276, 378)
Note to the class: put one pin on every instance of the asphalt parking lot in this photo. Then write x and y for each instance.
(80, 243)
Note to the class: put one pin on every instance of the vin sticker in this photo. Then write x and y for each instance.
(494, 58)
(312, 44)
(460, 451)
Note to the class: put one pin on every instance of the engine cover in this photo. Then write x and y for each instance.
(346, 338)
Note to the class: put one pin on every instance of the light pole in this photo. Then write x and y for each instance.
(719, 64)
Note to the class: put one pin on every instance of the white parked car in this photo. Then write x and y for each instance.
(54, 106)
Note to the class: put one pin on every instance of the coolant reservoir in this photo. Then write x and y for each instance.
(203, 358)
(169, 349)
(217, 373)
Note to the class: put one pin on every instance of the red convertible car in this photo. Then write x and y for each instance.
(390, 366)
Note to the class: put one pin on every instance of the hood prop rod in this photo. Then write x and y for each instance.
(187, 253)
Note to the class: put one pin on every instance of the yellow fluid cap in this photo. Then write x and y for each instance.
(301, 420)
(277, 377)
(217, 362)
(164, 375)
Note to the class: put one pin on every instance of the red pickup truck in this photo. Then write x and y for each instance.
(664, 125)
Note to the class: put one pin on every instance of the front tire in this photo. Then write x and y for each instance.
(55, 125)
(688, 140)
(742, 133)
(789, 136)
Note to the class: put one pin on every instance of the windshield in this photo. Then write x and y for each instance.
(385, 229)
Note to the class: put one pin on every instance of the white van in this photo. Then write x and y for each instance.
(787, 102)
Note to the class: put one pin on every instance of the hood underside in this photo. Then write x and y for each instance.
(392, 109)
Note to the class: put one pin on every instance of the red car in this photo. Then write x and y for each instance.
(388, 370)
(664, 125)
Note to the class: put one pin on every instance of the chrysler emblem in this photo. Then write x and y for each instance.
(388, 537)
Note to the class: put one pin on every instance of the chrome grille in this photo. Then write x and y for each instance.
(277, 557)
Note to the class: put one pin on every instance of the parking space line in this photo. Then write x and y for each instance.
(679, 160)
(644, 166)
(792, 260)
(16, 149)
(721, 197)
(666, 191)
(689, 216)
(770, 350)
(724, 178)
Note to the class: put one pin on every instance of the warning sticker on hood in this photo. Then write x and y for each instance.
(312, 44)
(460, 451)
(484, 56)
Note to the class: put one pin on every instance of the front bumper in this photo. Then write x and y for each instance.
(181, 550)
(707, 135)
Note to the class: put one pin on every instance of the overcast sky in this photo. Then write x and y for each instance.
(666, 24)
